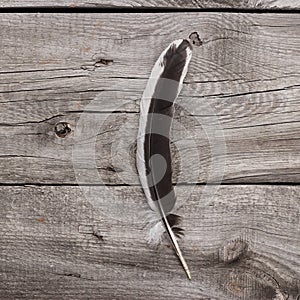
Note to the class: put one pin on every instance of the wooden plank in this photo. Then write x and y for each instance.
(53, 66)
(253, 4)
(32, 153)
(58, 244)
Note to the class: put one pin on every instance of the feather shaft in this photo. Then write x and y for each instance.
(174, 243)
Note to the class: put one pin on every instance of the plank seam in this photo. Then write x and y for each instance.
(137, 185)
(81, 9)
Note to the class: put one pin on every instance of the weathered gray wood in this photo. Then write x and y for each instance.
(256, 4)
(32, 152)
(56, 244)
(52, 66)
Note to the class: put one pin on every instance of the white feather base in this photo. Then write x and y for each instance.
(156, 234)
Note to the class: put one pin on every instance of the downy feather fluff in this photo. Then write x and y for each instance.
(153, 143)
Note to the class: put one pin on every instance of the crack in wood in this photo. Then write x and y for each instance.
(37, 70)
(260, 125)
(76, 275)
(260, 92)
(32, 122)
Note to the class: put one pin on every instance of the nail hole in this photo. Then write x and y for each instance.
(195, 39)
(62, 129)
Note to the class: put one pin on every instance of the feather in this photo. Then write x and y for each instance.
(153, 143)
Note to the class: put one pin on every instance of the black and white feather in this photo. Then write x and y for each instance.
(153, 143)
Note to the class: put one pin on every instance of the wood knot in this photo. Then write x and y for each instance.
(195, 39)
(236, 288)
(62, 129)
(233, 251)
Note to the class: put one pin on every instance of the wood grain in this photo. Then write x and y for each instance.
(57, 243)
(245, 77)
(70, 87)
(253, 4)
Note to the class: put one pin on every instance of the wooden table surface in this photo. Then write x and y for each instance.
(72, 213)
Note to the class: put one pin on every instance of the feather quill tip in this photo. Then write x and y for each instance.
(187, 271)
(183, 262)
